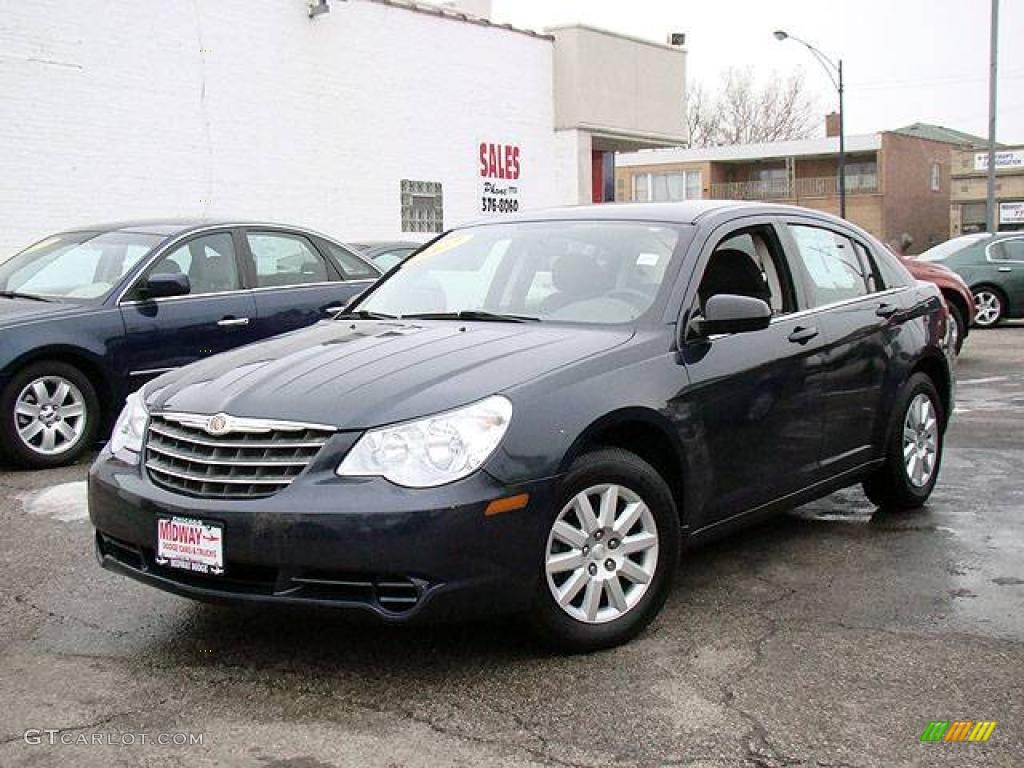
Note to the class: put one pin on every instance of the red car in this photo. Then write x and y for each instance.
(958, 296)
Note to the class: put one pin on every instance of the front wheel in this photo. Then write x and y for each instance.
(913, 449)
(49, 415)
(959, 327)
(610, 554)
(989, 307)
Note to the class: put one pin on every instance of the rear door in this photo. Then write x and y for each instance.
(861, 318)
(295, 284)
(218, 313)
(756, 398)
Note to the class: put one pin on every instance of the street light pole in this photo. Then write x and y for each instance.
(991, 215)
(842, 148)
(834, 70)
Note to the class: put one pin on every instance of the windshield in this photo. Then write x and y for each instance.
(75, 265)
(571, 271)
(945, 250)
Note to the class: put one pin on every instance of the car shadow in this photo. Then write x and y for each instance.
(272, 637)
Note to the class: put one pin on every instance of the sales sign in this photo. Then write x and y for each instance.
(500, 170)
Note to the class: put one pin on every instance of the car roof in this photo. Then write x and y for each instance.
(686, 212)
(169, 227)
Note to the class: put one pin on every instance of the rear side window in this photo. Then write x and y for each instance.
(884, 270)
(352, 267)
(834, 272)
(1007, 250)
(283, 260)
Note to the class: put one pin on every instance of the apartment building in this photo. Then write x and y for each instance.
(897, 181)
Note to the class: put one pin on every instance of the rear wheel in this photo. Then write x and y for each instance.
(913, 451)
(49, 415)
(610, 555)
(989, 307)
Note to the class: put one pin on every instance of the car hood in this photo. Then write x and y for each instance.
(16, 311)
(355, 375)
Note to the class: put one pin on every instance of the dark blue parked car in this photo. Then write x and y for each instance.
(88, 316)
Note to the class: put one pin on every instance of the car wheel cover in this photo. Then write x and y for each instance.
(50, 415)
(920, 440)
(987, 308)
(602, 553)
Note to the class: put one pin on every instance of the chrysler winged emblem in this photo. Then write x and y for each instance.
(218, 425)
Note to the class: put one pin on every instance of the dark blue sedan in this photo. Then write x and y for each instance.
(88, 316)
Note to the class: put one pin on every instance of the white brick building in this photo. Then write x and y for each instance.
(120, 109)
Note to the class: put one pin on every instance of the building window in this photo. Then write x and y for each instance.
(862, 176)
(672, 186)
(422, 206)
(936, 180)
(972, 218)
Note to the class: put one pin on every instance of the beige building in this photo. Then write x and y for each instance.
(896, 181)
(969, 189)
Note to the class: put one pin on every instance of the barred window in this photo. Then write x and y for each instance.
(422, 206)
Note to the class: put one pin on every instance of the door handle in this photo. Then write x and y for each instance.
(1005, 269)
(229, 322)
(333, 310)
(802, 335)
(886, 310)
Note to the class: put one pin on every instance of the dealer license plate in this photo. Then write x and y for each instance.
(190, 545)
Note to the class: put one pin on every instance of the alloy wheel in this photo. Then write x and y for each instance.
(988, 308)
(920, 440)
(50, 415)
(602, 553)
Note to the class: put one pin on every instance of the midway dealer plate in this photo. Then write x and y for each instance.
(190, 545)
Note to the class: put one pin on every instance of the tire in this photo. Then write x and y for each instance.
(989, 306)
(960, 324)
(648, 547)
(902, 484)
(25, 422)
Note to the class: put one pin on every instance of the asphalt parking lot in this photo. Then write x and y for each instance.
(827, 637)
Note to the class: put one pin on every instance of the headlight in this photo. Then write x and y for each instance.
(126, 439)
(431, 451)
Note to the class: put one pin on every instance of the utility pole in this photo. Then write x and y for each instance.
(991, 209)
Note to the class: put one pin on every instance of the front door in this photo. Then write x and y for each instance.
(755, 397)
(217, 314)
(1006, 269)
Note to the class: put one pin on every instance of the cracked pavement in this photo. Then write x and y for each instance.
(829, 636)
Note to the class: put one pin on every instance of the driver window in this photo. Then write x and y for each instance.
(208, 261)
(748, 263)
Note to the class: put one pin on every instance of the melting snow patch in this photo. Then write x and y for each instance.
(65, 502)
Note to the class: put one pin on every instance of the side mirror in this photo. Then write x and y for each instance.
(729, 313)
(161, 286)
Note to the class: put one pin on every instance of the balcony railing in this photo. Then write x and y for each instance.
(776, 189)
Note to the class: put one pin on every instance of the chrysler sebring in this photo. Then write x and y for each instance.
(535, 415)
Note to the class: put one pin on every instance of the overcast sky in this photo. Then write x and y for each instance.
(904, 60)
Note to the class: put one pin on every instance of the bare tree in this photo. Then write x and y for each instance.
(744, 111)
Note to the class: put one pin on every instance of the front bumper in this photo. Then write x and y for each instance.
(362, 544)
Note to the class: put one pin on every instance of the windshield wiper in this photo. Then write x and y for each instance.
(16, 295)
(363, 314)
(473, 314)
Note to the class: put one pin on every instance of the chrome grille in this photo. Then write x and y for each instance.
(225, 457)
